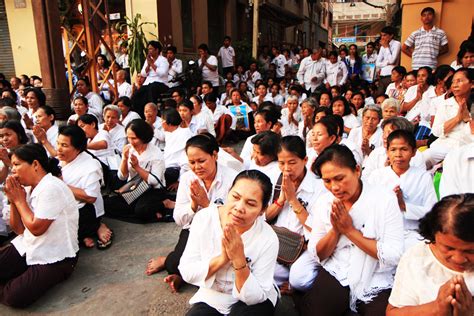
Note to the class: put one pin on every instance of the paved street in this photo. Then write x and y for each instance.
(113, 282)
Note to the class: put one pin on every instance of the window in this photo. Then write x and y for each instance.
(187, 24)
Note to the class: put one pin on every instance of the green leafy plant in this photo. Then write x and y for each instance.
(137, 42)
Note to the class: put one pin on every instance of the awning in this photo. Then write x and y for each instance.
(280, 15)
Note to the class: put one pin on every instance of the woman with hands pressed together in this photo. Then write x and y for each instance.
(46, 221)
(292, 209)
(45, 131)
(231, 252)
(436, 277)
(357, 238)
(207, 183)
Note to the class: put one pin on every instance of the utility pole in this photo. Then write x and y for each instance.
(255, 28)
(50, 50)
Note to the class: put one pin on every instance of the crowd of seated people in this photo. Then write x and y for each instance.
(346, 164)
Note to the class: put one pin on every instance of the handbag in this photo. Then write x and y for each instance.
(291, 244)
(136, 187)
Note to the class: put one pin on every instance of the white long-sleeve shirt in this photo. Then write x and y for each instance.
(336, 74)
(219, 290)
(175, 69)
(388, 57)
(418, 193)
(377, 216)
(158, 75)
(356, 137)
(217, 194)
(458, 171)
(311, 69)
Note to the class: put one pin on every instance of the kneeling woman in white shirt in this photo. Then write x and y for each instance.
(207, 183)
(83, 175)
(437, 277)
(45, 219)
(140, 158)
(357, 238)
(292, 208)
(231, 252)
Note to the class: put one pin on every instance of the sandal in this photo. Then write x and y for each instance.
(104, 245)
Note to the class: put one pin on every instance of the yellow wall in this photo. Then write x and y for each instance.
(453, 16)
(23, 39)
(149, 11)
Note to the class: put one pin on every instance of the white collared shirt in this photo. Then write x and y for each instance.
(309, 191)
(336, 74)
(132, 115)
(311, 69)
(356, 137)
(207, 74)
(124, 89)
(219, 291)
(174, 153)
(118, 139)
(96, 105)
(388, 57)
(288, 128)
(280, 62)
(366, 59)
(417, 188)
(205, 120)
(175, 70)
(217, 194)
(227, 55)
(158, 75)
(151, 159)
(252, 78)
(51, 199)
(421, 108)
(458, 171)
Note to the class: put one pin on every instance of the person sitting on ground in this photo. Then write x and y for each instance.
(206, 183)
(390, 108)
(290, 117)
(324, 135)
(83, 174)
(45, 130)
(436, 277)
(221, 116)
(141, 158)
(356, 237)
(368, 136)
(264, 154)
(46, 219)
(202, 115)
(124, 89)
(127, 114)
(231, 252)
(94, 101)
(308, 107)
(292, 209)
(325, 99)
(112, 126)
(261, 94)
(413, 186)
(340, 106)
(152, 118)
(80, 107)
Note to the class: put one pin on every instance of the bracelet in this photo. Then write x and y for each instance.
(240, 268)
(278, 204)
(298, 210)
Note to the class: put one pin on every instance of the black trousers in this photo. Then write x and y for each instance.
(143, 209)
(88, 222)
(172, 260)
(21, 284)
(238, 309)
(329, 298)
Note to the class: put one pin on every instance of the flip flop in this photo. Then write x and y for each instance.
(104, 245)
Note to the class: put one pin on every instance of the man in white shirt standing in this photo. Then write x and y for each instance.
(227, 55)
(312, 71)
(279, 61)
(155, 70)
(336, 71)
(209, 65)
(427, 43)
(176, 67)
(388, 57)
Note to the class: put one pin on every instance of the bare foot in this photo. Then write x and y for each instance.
(89, 242)
(155, 265)
(159, 216)
(174, 281)
(104, 233)
(169, 204)
(285, 289)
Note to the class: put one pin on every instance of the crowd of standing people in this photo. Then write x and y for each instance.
(369, 171)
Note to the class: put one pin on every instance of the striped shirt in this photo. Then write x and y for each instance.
(426, 46)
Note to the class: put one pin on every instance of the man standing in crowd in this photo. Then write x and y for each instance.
(370, 56)
(388, 57)
(312, 71)
(279, 61)
(227, 55)
(176, 67)
(427, 43)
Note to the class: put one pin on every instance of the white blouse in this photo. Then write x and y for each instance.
(106, 154)
(174, 153)
(96, 105)
(51, 199)
(351, 121)
(219, 291)
(217, 194)
(421, 108)
(204, 121)
(418, 193)
(309, 191)
(288, 128)
(118, 139)
(419, 277)
(151, 159)
(132, 115)
(377, 215)
(356, 137)
(85, 173)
